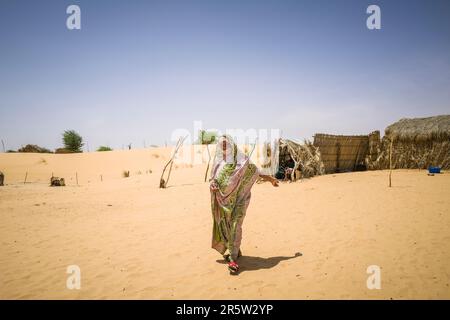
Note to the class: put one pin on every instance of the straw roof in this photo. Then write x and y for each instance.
(420, 129)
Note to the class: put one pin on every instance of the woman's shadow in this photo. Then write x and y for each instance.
(249, 263)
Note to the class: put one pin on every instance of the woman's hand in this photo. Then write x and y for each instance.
(214, 186)
(272, 180)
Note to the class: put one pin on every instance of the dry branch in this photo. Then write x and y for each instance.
(162, 182)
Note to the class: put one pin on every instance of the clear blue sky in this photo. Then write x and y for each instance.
(137, 70)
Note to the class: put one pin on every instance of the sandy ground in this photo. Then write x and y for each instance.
(312, 239)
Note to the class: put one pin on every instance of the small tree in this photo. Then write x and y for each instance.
(72, 141)
(207, 137)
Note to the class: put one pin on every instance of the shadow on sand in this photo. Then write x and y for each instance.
(249, 263)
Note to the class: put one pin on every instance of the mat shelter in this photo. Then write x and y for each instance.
(342, 153)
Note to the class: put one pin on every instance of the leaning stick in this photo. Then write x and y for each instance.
(168, 175)
(25, 180)
(161, 180)
(209, 160)
(390, 162)
(173, 157)
(162, 183)
(253, 149)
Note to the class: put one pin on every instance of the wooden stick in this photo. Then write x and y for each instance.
(173, 157)
(170, 170)
(76, 177)
(390, 162)
(253, 149)
(162, 182)
(25, 180)
(209, 160)
(338, 156)
(101, 178)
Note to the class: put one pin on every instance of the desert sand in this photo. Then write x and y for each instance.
(312, 239)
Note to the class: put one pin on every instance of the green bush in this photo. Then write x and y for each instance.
(34, 148)
(72, 141)
(104, 148)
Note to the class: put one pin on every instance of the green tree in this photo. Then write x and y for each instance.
(72, 141)
(207, 137)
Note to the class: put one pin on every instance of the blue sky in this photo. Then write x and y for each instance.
(138, 70)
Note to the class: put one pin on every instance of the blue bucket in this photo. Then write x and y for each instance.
(434, 169)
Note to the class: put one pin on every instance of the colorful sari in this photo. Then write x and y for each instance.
(235, 175)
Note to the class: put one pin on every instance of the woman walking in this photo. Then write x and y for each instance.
(232, 178)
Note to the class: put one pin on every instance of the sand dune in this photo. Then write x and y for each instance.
(312, 239)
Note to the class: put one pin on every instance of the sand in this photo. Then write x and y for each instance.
(312, 239)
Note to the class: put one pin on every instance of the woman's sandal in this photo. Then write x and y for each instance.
(226, 257)
(233, 267)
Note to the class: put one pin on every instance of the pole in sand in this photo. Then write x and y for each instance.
(390, 162)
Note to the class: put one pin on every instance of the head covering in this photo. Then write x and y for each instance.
(229, 165)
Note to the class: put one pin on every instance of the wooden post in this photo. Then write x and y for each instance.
(209, 160)
(101, 178)
(76, 177)
(25, 180)
(390, 163)
(338, 156)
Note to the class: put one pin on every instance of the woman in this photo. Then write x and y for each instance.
(232, 178)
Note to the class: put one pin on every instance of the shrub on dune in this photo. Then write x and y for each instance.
(104, 148)
(34, 148)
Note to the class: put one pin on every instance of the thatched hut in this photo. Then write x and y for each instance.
(304, 159)
(416, 143)
(342, 153)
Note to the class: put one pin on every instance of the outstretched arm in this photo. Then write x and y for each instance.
(271, 179)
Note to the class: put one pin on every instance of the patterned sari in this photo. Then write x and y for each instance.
(235, 175)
